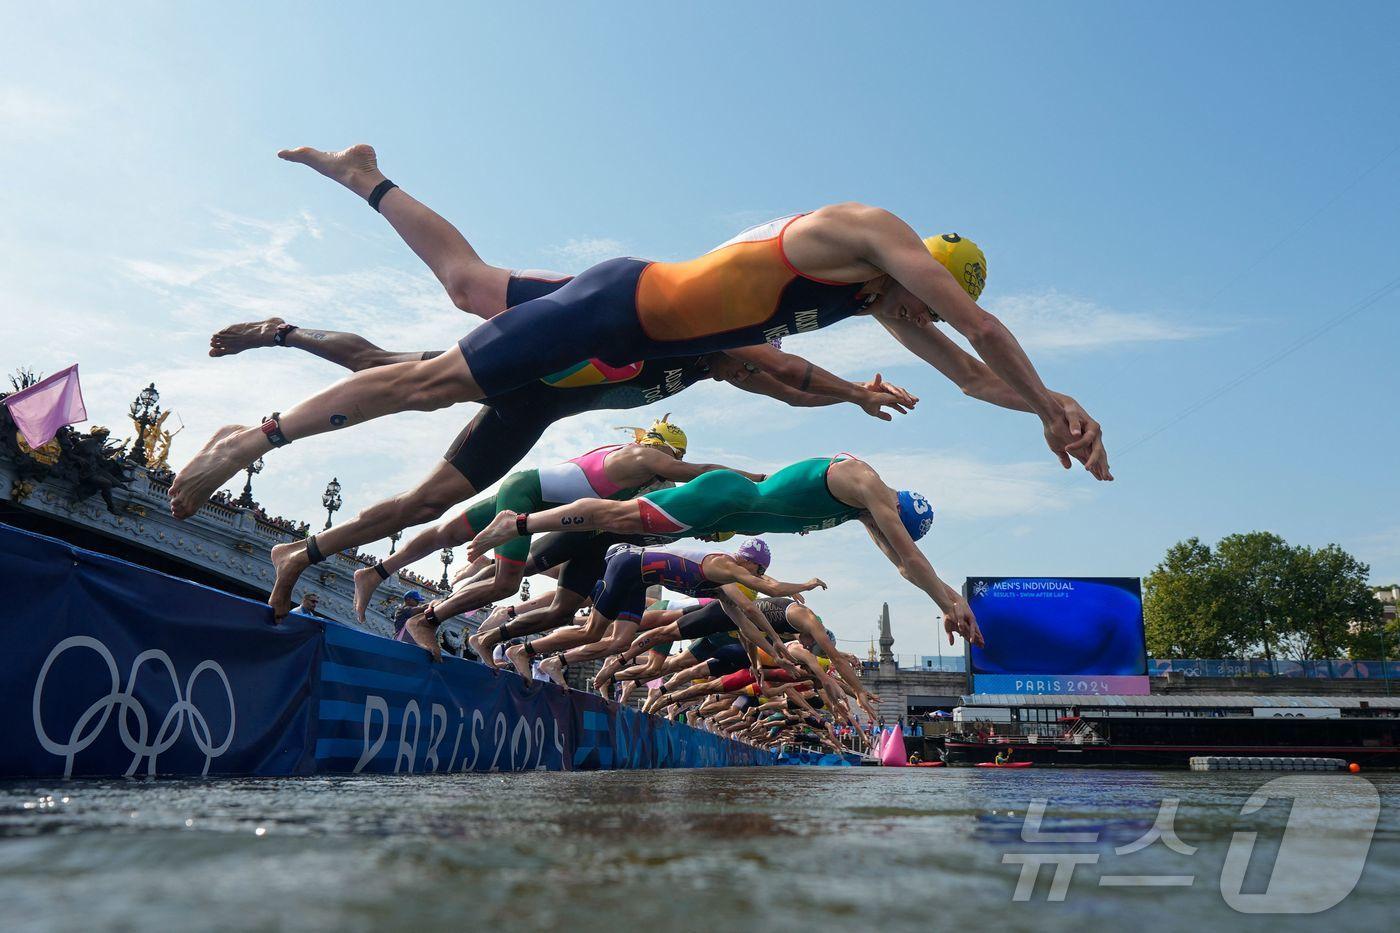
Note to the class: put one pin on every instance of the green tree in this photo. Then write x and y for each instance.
(1327, 601)
(1255, 593)
(1186, 605)
(1255, 566)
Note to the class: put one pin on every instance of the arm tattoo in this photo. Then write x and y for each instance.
(807, 377)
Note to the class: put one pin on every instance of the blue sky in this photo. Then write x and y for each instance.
(1138, 177)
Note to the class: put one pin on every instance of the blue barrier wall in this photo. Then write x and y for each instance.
(107, 668)
(1338, 669)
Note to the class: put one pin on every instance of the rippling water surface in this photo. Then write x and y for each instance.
(770, 849)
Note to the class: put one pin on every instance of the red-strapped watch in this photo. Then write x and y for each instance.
(520, 522)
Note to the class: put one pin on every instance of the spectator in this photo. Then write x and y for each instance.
(309, 602)
(412, 605)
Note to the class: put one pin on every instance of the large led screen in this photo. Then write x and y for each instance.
(1068, 626)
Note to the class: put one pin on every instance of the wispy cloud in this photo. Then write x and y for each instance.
(1047, 323)
(581, 252)
(27, 114)
(1053, 322)
(966, 487)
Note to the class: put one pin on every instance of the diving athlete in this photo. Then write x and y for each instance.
(789, 276)
(787, 616)
(509, 424)
(694, 571)
(616, 471)
(809, 495)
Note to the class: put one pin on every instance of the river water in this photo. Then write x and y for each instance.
(736, 849)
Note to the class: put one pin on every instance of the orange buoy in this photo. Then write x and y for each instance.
(1354, 768)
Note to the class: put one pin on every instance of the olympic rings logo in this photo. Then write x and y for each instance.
(142, 744)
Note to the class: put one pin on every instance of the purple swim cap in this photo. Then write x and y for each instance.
(756, 550)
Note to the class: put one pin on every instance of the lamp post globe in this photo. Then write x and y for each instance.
(446, 558)
(330, 499)
(144, 411)
(246, 499)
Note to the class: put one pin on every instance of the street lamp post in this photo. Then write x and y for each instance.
(394, 542)
(246, 499)
(330, 499)
(446, 558)
(144, 411)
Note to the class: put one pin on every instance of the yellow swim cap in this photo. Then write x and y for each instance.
(963, 258)
(663, 433)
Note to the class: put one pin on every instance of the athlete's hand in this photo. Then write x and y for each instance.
(958, 618)
(1058, 438)
(1088, 448)
(901, 395)
(878, 395)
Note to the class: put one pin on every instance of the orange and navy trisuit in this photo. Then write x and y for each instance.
(742, 293)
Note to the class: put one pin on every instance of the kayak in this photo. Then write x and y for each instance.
(1006, 764)
(929, 764)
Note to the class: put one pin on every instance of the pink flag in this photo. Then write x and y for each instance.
(40, 410)
(892, 755)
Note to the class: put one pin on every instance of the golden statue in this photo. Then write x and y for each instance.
(47, 454)
(155, 441)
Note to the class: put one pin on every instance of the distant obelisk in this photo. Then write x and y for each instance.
(886, 637)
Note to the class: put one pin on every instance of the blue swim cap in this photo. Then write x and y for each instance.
(916, 513)
(413, 594)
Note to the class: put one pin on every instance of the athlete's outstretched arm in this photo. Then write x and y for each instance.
(753, 625)
(808, 621)
(725, 569)
(805, 376)
(668, 467)
(858, 483)
(891, 245)
(884, 522)
(976, 380)
(760, 383)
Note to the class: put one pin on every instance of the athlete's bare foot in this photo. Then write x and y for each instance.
(289, 560)
(553, 668)
(239, 337)
(519, 660)
(627, 690)
(482, 650)
(356, 168)
(214, 465)
(601, 682)
(610, 667)
(499, 531)
(425, 635)
(367, 580)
